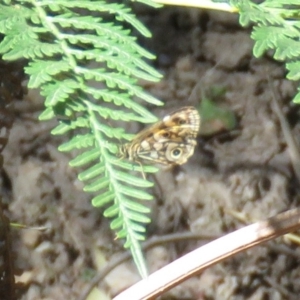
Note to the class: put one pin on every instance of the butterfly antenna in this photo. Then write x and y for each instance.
(199, 85)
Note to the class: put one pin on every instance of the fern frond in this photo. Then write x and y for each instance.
(277, 28)
(72, 46)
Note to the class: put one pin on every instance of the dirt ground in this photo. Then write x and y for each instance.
(245, 168)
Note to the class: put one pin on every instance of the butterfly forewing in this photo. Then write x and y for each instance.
(170, 141)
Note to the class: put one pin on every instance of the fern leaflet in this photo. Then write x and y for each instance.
(277, 28)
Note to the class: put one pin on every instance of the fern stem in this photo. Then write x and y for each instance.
(47, 22)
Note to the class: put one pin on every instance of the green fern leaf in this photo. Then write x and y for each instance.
(140, 218)
(85, 158)
(92, 172)
(97, 185)
(277, 28)
(64, 127)
(128, 166)
(294, 70)
(129, 191)
(132, 180)
(121, 99)
(112, 212)
(281, 3)
(135, 206)
(297, 97)
(70, 54)
(138, 228)
(60, 90)
(137, 255)
(136, 236)
(103, 199)
(77, 142)
(117, 222)
(43, 71)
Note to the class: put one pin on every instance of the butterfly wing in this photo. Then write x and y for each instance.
(172, 140)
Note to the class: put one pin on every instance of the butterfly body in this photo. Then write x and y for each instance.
(170, 141)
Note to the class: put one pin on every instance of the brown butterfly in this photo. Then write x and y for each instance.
(168, 142)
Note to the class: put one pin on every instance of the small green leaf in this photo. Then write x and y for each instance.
(103, 199)
(138, 217)
(92, 172)
(133, 205)
(116, 224)
(139, 228)
(77, 142)
(132, 180)
(97, 185)
(139, 194)
(112, 211)
(85, 158)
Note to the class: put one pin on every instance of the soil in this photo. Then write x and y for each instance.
(245, 168)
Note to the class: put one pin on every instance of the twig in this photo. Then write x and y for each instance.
(210, 254)
(147, 245)
(285, 292)
(287, 133)
(207, 4)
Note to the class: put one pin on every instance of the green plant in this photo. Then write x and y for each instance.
(71, 45)
(277, 28)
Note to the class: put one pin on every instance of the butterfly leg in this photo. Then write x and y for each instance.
(142, 170)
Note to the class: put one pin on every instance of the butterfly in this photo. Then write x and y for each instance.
(170, 141)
